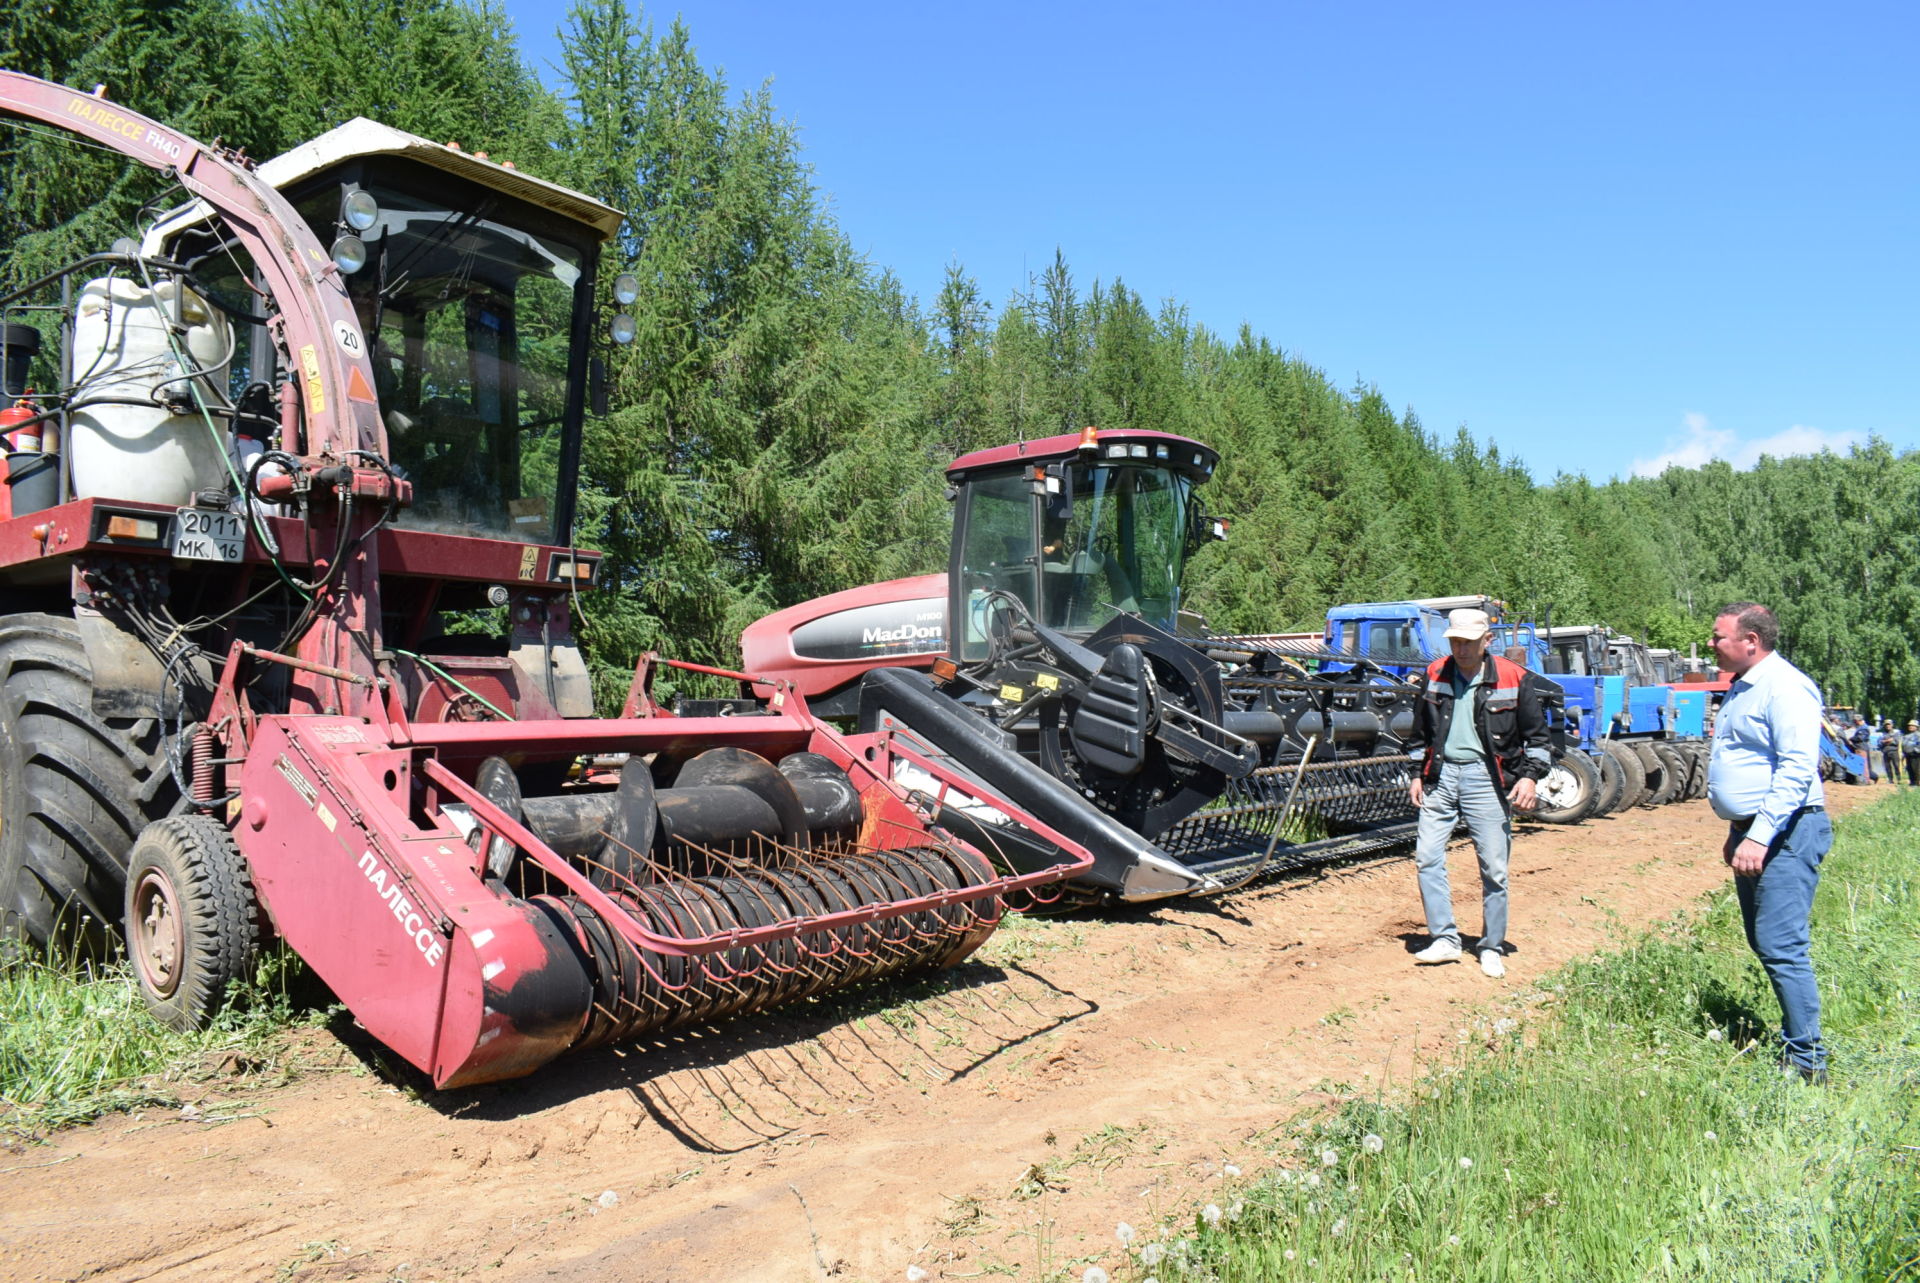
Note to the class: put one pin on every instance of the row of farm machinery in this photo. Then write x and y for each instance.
(325, 402)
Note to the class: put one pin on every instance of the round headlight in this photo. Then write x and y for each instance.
(622, 328)
(360, 210)
(349, 254)
(626, 289)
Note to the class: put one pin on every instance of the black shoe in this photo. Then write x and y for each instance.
(1811, 1077)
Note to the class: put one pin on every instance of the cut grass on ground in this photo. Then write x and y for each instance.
(77, 1042)
(1641, 1131)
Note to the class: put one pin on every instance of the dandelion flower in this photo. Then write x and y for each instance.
(1236, 1209)
(1313, 1262)
(1714, 1035)
(1210, 1214)
(1286, 1176)
(1288, 1254)
(1713, 1135)
(1123, 1232)
(1453, 1240)
(1229, 1171)
(1094, 1274)
(1339, 1227)
(1372, 1144)
(915, 1274)
(1152, 1254)
(1329, 1157)
(1313, 1180)
(1643, 1094)
(1465, 1163)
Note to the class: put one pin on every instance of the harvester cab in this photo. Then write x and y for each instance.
(1053, 664)
(308, 418)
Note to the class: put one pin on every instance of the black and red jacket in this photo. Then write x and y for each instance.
(1509, 715)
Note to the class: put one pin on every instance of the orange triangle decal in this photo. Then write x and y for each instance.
(357, 389)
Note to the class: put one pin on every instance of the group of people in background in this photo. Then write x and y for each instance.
(1887, 748)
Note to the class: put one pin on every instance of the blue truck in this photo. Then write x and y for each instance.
(1400, 637)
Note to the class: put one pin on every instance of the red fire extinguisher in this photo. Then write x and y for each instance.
(18, 427)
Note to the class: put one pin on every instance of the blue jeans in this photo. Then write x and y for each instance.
(1775, 907)
(1465, 791)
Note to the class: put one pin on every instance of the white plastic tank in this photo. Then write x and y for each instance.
(120, 351)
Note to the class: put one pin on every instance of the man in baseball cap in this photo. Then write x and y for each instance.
(1482, 726)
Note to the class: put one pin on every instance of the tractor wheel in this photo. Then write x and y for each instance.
(1661, 776)
(1613, 785)
(1679, 770)
(194, 925)
(75, 788)
(1568, 793)
(1632, 771)
(1701, 754)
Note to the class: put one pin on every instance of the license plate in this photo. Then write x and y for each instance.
(205, 534)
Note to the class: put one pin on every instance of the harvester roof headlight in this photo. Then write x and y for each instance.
(1159, 452)
(360, 210)
(626, 289)
(349, 254)
(1138, 451)
(623, 329)
(1116, 452)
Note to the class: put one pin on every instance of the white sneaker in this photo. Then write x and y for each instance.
(1491, 964)
(1438, 951)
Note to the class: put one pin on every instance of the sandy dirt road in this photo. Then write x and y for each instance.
(996, 1122)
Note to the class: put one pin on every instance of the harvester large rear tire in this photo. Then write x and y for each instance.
(1632, 770)
(1613, 785)
(194, 925)
(75, 788)
(1568, 794)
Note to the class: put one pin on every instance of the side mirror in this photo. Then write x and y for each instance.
(1050, 483)
(1208, 529)
(597, 386)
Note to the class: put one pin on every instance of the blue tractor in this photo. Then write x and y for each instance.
(1644, 730)
(1403, 637)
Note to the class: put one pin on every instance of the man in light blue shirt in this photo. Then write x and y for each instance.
(1764, 780)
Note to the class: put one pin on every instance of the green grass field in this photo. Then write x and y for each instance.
(76, 1042)
(1639, 1131)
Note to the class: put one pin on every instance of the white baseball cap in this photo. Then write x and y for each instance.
(1468, 625)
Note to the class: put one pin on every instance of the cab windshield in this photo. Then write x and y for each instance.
(1112, 539)
(468, 318)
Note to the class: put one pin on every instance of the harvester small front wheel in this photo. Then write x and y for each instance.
(194, 925)
(1568, 794)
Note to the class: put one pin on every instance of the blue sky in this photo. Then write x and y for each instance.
(1601, 236)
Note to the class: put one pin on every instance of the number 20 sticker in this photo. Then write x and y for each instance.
(348, 337)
